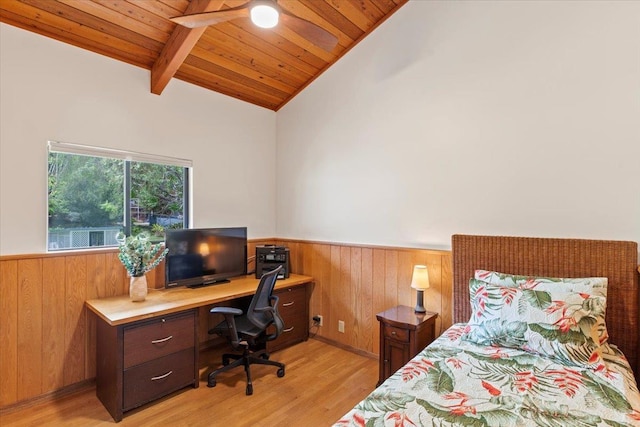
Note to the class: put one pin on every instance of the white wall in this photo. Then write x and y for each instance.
(53, 91)
(508, 118)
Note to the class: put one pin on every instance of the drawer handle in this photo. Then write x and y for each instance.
(288, 329)
(162, 340)
(394, 333)
(160, 377)
(287, 304)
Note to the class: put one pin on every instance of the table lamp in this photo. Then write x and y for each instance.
(420, 282)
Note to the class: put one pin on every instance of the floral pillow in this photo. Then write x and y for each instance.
(554, 323)
(590, 285)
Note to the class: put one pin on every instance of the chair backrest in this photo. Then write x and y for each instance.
(259, 313)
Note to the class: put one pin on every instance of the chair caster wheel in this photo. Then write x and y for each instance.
(280, 372)
(225, 361)
(265, 356)
(249, 391)
(211, 382)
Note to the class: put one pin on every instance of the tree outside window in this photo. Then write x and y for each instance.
(87, 199)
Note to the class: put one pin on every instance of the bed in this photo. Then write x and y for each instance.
(501, 365)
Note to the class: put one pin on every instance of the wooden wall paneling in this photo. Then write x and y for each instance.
(75, 313)
(251, 253)
(344, 312)
(315, 261)
(53, 323)
(433, 295)
(367, 314)
(29, 328)
(406, 261)
(8, 332)
(96, 288)
(307, 258)
(307, 266)
(322, 287)
(116, 280)
(294, 256)
(354, 284)
(155, 277)
(379, 298)
(391, 278)
(335, 301)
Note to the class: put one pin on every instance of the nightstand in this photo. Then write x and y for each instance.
(403, 334)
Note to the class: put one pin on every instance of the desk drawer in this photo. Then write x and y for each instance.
(157, 338)
(154, 379)
(292, 306)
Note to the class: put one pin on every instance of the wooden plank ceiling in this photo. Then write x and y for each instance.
(266, 67)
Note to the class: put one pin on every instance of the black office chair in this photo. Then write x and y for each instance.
(248, 332)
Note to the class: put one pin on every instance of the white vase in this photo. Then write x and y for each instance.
(138, 288)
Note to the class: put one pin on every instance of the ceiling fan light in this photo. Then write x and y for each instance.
(264, 16)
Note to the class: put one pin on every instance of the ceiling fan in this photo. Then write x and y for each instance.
(264, 14)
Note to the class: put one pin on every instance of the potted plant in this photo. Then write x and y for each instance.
(139, 255)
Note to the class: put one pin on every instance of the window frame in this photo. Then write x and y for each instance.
(127, 157)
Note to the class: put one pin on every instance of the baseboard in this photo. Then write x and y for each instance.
(79, 387)
(346, 347)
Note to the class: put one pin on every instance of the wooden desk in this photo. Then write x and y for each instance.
(146, 350)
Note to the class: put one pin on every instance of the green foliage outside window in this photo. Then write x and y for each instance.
(87, 193)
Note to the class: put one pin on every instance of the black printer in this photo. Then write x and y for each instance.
(270, 257)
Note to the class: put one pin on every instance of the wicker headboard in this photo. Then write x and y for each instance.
(616, 260)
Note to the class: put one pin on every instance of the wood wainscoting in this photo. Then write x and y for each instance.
(48, 336)
(355, 282)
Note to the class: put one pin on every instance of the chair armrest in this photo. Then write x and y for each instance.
(226, 310)
(278, 323)
(230, 314)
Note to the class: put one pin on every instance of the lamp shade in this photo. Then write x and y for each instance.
(420, 279)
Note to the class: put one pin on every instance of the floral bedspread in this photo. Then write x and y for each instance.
(458, 383)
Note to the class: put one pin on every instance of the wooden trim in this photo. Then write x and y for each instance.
(50, 396)
(360, 245)
(346, 347)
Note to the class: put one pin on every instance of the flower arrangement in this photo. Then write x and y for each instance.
(138, 254)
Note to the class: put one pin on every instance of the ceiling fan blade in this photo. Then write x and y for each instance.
(211, 18)
(310, 31)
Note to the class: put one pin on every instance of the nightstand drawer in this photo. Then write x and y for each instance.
(158, 338)
(394, 333)
(146, 382)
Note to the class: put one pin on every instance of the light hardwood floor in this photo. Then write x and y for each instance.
(321, 384)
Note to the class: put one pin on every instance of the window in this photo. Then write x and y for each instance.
(95, 193)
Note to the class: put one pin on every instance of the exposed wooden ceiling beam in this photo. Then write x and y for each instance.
(179, 45)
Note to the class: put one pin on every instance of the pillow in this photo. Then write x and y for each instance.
(554, 323)
(590, 285)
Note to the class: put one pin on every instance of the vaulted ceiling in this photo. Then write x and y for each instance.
(266, 67)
